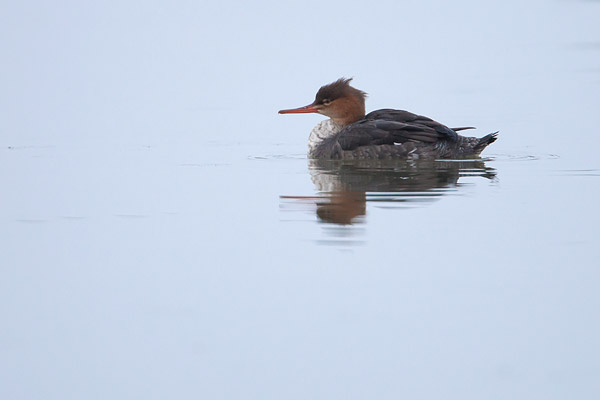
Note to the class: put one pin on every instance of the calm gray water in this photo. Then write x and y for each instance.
(164, 236)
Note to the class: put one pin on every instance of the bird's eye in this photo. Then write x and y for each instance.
(326, 102)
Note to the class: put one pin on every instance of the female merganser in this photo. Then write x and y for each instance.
(381, 134)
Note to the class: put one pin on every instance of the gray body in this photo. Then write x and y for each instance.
(384, 139)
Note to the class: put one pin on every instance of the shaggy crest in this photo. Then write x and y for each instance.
(337, 89)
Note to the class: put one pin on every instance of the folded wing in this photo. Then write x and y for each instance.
(394, 126)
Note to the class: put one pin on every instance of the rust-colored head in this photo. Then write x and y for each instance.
(338, 100)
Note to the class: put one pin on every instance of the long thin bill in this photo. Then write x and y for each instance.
(301, 110)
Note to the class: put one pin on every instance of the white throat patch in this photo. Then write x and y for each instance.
(320, 132)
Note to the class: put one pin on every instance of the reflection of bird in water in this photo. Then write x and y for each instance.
(347, 186)
(342, 207)
(381, 134)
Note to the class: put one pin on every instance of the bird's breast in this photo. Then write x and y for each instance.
(323, 130)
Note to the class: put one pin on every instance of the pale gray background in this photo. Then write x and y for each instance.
(146, 252)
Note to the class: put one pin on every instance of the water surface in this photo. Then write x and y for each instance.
(164, 236)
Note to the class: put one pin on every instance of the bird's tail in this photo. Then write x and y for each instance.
(484, 142)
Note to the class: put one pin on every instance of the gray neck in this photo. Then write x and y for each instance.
(323, 130)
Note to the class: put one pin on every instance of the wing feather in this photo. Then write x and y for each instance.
(389, 126)
(416, 121)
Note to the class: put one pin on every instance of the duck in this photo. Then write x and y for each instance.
(351, 134)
